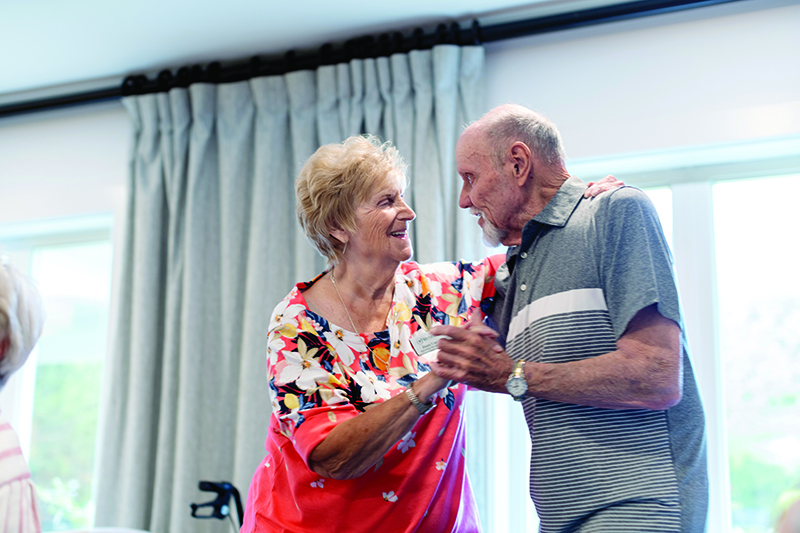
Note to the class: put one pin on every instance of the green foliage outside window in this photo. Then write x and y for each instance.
(759, 310)
(66, 406)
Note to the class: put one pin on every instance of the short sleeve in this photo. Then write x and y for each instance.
(458, 289)
(309, 390)
(636, 265)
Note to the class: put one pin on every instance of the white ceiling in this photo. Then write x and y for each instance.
(46, 43)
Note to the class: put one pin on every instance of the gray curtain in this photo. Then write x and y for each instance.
(212, 245)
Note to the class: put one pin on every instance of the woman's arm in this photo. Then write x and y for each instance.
(356, 445)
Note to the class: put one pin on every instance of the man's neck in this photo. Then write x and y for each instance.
(543, 188)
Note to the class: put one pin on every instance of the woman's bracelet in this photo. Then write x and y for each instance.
(412, 397)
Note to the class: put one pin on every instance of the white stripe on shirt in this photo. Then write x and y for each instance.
(555, 304)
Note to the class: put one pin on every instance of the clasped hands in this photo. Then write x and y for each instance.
(472, 355)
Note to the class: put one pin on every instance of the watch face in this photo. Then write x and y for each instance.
(516, 386)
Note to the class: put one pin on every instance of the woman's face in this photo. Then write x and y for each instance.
(382, 222)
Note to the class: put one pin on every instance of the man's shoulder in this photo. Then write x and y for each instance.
(619, 200)
(626, 193)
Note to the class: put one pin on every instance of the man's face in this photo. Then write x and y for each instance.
(484, 189)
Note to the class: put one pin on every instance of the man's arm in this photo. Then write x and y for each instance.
(644, 372)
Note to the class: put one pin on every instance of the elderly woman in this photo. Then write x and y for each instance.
(21, 319)
(362, 436)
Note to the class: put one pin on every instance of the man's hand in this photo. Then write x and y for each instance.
(597, 188)
(471, 355)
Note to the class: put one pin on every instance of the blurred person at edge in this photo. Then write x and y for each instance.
(21, 320)
(789, 521)
(362, 436)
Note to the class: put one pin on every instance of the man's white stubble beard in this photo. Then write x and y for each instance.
(492, 235)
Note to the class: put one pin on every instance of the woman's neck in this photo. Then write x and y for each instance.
(365, 294)
(364, 282)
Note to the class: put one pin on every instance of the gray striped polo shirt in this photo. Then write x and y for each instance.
(584, 268)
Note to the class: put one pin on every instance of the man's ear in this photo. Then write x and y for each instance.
(521, 159)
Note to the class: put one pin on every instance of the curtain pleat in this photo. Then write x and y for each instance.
(269, 267)
(212, 244)
(427, 197)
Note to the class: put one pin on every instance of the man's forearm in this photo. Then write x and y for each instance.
(612, 381)
(645, 372)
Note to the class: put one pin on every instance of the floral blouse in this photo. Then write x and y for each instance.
(321, 374)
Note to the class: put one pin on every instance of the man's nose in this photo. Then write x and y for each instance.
(464, 201)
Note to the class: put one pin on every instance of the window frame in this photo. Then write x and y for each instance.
(18, 243)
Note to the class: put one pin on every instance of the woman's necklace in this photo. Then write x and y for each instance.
(384, 360)
(333, 280)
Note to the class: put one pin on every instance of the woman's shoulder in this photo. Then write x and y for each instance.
(451, 270)
(290, 308)
(439, 270)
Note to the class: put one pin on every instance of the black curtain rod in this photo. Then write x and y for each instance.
(363, 47)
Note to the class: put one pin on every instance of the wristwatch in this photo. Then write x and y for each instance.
(516, 385)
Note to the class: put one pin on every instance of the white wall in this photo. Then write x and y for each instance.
(708, 75)
(62, 163)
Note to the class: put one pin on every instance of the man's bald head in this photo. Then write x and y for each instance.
(506, 124)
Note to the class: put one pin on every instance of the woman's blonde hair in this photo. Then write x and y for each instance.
(335, 181)
(21, 320)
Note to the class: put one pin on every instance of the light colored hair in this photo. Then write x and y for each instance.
(510, 123)
(335, 180)
(21, 319)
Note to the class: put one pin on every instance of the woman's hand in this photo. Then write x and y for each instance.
(597, 188)
(472, 355)
(428, 385)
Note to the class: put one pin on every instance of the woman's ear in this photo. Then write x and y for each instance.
(339, 234)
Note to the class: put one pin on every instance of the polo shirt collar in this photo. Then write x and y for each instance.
(555, 213)
(560, 208)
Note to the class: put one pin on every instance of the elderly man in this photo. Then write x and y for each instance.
(592, 339)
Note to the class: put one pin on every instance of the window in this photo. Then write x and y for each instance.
(662, 201)
(755, 224)
(57, 395)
